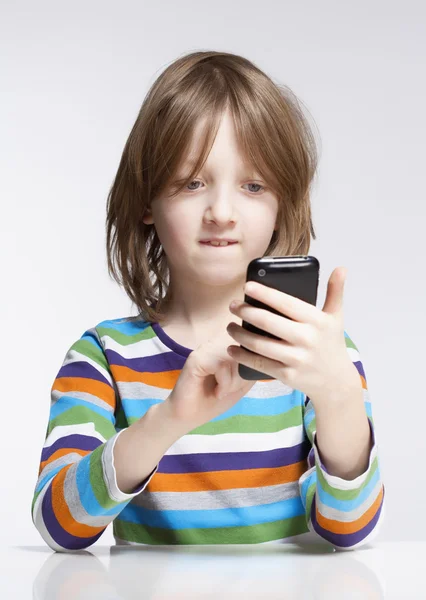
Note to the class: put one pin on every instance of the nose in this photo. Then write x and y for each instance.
(220, 206)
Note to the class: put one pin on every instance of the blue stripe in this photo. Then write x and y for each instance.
(254, 407)
(129, 328)
(310, 414)
(65, 403)
(311, 479)
(48, 477)
(89, 337)
(348, 505)
(87, 498)
(222, 517)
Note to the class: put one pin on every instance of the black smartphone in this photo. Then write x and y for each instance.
(296, 275)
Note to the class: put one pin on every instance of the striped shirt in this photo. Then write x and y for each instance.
(251, 475)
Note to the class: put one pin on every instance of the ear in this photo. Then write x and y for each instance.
(147, 218)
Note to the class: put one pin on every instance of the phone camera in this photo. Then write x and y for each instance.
(262, 272)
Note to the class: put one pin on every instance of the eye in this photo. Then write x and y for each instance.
(198, 181)
(258, 185)
(193, 181)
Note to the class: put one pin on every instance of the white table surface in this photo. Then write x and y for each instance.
(381, 570)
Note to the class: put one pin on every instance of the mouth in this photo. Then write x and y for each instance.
(216, 245)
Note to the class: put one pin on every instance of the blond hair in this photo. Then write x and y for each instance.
(273, 134)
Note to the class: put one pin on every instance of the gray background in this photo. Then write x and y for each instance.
(73, 78)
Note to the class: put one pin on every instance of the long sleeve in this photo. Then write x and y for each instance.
(346, 513)
(76, 495)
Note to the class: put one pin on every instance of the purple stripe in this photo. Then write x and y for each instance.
(360, 368)
(166, 361)
(167, 341)
(82, 442)
(58, 533)
(81, 369)
(233, 461)
(345, 540)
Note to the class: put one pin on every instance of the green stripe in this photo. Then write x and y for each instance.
(346, 494)
(96, 477)
(252, 424)
(83, 346)
(254, 534)
(350, 343)
(247, 423)
(123, 339)
(78, 415)
(310, 496)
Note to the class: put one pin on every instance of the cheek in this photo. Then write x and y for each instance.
(176, 232)
(260, 226)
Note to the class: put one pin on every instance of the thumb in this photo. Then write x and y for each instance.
(334, 299)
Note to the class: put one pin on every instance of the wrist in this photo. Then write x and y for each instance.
(163, 422)
(335, 394)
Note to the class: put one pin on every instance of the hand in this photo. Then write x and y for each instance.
(311, 354)
(208, 385)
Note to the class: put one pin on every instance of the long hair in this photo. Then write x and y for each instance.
(274, 136)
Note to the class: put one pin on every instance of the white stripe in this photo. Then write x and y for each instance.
(238, 442)
(343, 516)
(73, 502)
(138, 390)
(339, 483)
(354, 354)
(61, 431)
(73, 356)
(66, 459)
(56, 395)
(138, 349)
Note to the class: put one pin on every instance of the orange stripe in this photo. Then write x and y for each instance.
(222, 480)
(85, 384)
(62, 452)
(61, 510)
(352, 526)
(163, 379)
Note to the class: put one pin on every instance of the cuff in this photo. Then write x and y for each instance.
(110, 474)
(339, 482)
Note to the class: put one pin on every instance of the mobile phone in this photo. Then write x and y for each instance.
(297, 275)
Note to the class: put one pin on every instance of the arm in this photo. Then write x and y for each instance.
(80, 489)
(345, 510)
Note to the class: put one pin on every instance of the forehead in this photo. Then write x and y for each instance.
(225, 136)
(225, 147)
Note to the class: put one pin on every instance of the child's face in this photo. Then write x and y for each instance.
(224, 200)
